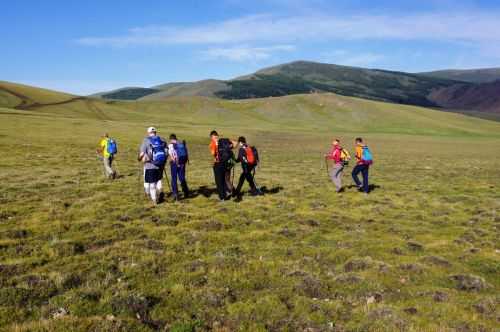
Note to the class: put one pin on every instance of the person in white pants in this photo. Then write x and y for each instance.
(153, 173)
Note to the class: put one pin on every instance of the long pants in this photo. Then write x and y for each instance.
(108, 170)
(178, 171)
(363, 169)
(246, 175)
(336, 175)
(220, 179)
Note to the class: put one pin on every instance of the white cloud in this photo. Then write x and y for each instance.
(245, 53)
(473, 27)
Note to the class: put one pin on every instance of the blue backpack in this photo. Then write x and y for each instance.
(158, 150)
(181, 150)
(112, 148)
(366, 156)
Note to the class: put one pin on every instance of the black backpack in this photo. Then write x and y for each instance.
(255, 155)
(225, 151)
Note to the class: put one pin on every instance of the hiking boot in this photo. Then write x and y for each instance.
(154, 203)
(161, 197)
(256, 192)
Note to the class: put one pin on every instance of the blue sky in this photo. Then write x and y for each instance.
(89, 46)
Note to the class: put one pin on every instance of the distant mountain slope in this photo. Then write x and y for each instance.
(306, 77)
(128, 93)
(434, 89)
(485, 75)
(481, 97)
(205, 88)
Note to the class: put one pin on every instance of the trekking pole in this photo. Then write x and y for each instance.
(232, 179)
(166, 177)
(141, 181)
(326, 165)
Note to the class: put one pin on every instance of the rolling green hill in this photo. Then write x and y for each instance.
(486, 75)
(306, 77)
(205, 88)
(23, 96)
(80, 253)
(435, 89)
(322, 112)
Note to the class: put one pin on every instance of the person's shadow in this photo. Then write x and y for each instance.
(271, 191)
(203, 191)
(371, 187)
(263, 190)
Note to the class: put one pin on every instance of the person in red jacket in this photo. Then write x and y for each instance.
(339, 157)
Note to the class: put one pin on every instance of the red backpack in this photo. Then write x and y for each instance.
(250, 156)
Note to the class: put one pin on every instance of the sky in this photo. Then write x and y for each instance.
(85, 47)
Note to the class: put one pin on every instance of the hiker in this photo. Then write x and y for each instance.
(107, 150)
(340, 158)
(178, 159)
(152, 153)
(364, 160)
(222, 152)
(249, 158)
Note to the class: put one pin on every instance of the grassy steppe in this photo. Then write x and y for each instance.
(79, 253)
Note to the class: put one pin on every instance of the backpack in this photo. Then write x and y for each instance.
(224, 151)
(250, 156)
(345, 156)
(181, 150)
(112, 148)
(256, 155)
(366, 156)
(158, 151)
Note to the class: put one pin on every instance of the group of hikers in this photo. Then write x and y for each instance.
(155, 153)
(340, 158)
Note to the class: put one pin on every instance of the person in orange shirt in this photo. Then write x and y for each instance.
(362, 166)
(222, 151)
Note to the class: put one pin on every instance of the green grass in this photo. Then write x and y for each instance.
(420, 253)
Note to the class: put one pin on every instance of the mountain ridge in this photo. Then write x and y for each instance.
(430, 89)
(480, 75)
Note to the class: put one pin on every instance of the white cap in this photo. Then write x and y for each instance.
(151, 130)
